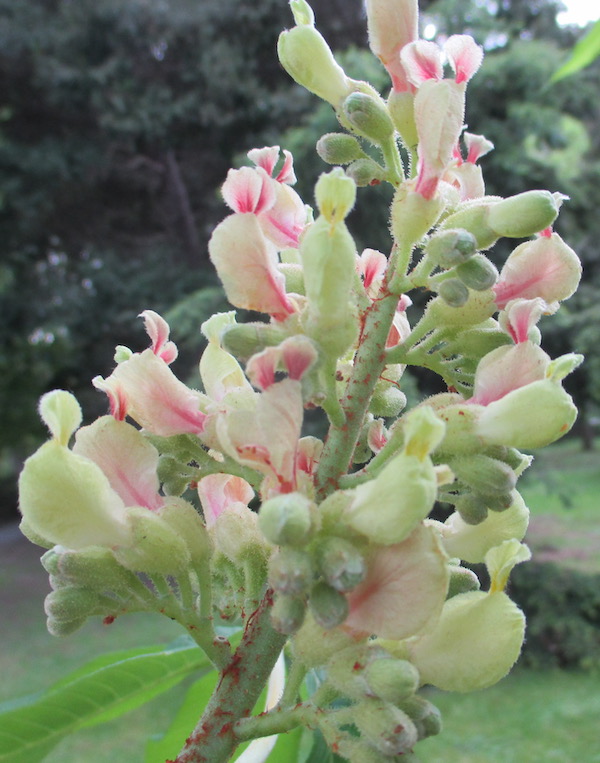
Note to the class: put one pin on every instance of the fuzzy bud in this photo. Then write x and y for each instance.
(341, 564)
(524, 214)
(286, 519)
(290, 571)
(339, 148)
(484, 474)
(451, 247)
(454, 292)
(335, 193)
(287, 614)
(246, 339)
(477, 273)
(387, 728)
(392, 680)
(369, 116)
(328, 606)
(461, 581)
(365, 172)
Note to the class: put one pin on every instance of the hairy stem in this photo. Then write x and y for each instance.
(214, 739)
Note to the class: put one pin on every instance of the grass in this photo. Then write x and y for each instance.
(526, 718)
(562, 490)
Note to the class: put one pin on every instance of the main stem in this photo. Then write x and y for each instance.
(368, 364)
(242, 680)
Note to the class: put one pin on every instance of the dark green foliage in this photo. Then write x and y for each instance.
(563, 615)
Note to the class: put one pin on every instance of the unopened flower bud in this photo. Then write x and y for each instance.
(413, 215)
(454, 292)
(484, 474)
(473, 217)
(369, 116)
(308, 59)
(365, 172)
(339, 148)
(524, 214)
(246, 339)
(342, 564)
(425, 715)
(499, 502)
(392, 680)
(451, 247)
(387, 728)
(290, 571)
(68, 607)
(401, 107)
(285, 519)
(471, 508)
(94, 568)
(335, 193)
(287, 613)
(477, 273)
(387, 401)
(328, 606)
(462, 580)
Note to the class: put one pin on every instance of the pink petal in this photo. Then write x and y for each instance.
(422, 60)
(158, 330)
(283, 223)
(219, 492)
(247, 266)
(286, 173)
(521, 315)
(266, 158)
(126, 458)
(372, 266)
(506, 369)
(154, 397)
(260, 368)
(392, 25)
(477, 146)
(464, 56)
(404, 590)
(248, 190)
(298, 354)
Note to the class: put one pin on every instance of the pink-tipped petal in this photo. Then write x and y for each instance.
(545, 267)
(266, 158)
(248, 190)
(222, 492)
(422, 61)
(116, 397)
(372, 265)
(261, 367)
(520, 316)
(126, 458)
(464, 56)
(508, 368)
(392, 25)
(247, 266)
(154, 397)
(283, 223)
(286, 174)
(477, 146)
(405, 588)
(298, 354)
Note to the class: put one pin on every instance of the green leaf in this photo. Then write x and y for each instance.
(167, 746)
(586, 50)
(105, 688)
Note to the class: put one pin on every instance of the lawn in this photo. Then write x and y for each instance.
(529, 716)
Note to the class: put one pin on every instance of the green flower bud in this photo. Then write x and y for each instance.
(246, 339)
(287, 614)
(328, 606)
(335, 193)
(290, 571)
(303, 13)
(473, 217)
(365, 172)
(155, 548)
(386, 727)
(426, 717)
(339, 148)
(392, 680)
(478, 308)
(451, 247)
(308, 59)
(499, 502)
(183, 518)
(524, 214)
(72, 603)
(285, 519)
(472, 509)
(369, 116)
(313, 645)
(484, 474)
(94, 568)
(413, 216)
(401, 108)
(60, 628)
(294, 278)
(454, 292)
(462, 580)
(477, 273)
(387, 400)
(341, 564)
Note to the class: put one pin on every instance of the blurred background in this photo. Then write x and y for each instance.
(118, 122)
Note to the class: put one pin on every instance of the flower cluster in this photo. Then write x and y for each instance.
(161, 513)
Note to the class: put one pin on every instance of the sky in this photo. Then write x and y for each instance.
(579, 12)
